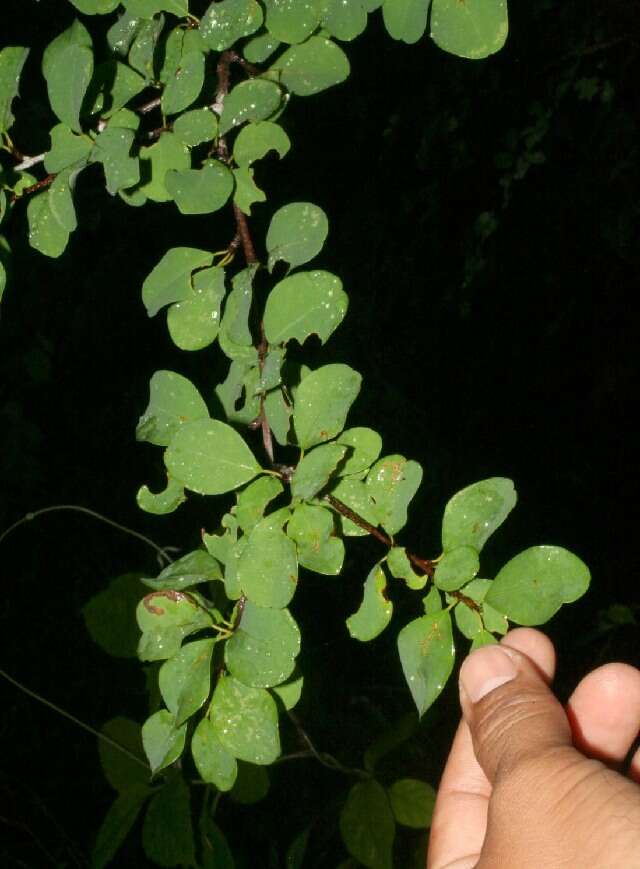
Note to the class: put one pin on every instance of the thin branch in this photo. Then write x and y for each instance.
(245, 234)
(34, 188)
(149, 106)
(162, 553)
(322, 757)
(82, 724)
(358, 520)
(28, 162)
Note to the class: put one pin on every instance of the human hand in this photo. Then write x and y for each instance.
(530, 785)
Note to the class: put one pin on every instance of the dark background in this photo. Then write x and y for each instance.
(510, 352)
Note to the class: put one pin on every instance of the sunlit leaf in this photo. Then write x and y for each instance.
(474, 29)
(224, 23)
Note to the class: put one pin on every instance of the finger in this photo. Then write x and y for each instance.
(604, 712)
(460, 815)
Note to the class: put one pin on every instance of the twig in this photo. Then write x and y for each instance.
(149, 106)
(28, 162)
(34, 188)
(358, 520)
(322, 757)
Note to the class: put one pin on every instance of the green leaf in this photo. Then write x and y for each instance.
(173, 402)
(304, 304)
(155, 161)
(289, 693)
(322, 403)
(116, 825)
(224, 23)
(268, 569)
(113, 85)
(258, 49)
(12, 60)
(367, 825)
(109, 616)
(392, 482)
(183, 88)
(253, 100)
(412, 802)
(375, 611)
(468, 621)
(67, 65)
(533, 586)
(112, 149)
(61, 198)
(395, 734)
(214, 763)
(95, 7)
(456, 567)
(192, 569)
(120, 770)
(148, 8)
(242, 377)
(484, 638)
(46, 233)
(162, 502)
(185, 679)
(195, 127)
(344, 19)
(312, 67)
(252, 784)
(312, 528)
(252, 501)
(121, 34)
(400, 567)
(254, 142)
(354, 494)
(163, 742)
(166, 609)
(427, 655)
(406, 19)
(143, 49)
(235, 322)
(216, 853)
(247, 192)
(210, 457)
(365, 444)
(67, 149)
(474, 513)
(494, 621)
(263, 649)
(474, 29)
(296, 235)
(290, 21)
(297, 850)
(432, 601)
(170, 280)
(315, 469)
(167, 832)
(278, 415)
(246, 721)
(194, 322)
(200, 191)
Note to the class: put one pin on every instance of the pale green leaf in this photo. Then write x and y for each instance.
(210, 457)
(254, 141)
(400, 567)
(173, 401)
(296, 235)
(170, 279)
(432, 602)
(194, 322)
(312, 530)
(533, 586)
(61, 198)
(468, 621)
(224, 23)
(427, 655)
(263, 649)
(163, 742)
(456, 567)
(412, 802)
(185, 679)
(67, 65)
(160, 503)
(167, 831)
(290, 20)
(214, 762)
(278, 413)
(322, 403)
(242, 378)
(484, 638)
(245, 720)
(113, 85)
(474, 29)
(167, 154)
(268, 569)
(247, 192)
(148, 8)
(494, 621)
(313, 66)
(392, 482)
(375, 611)
(12, 60)
(166, 609)
(406, 20)
(304, 304)
(354, 494)
(315, 469)
(200, 191)
(253, 100)
(95, 7)
(367, 825)
(289, 693)
(473, 514)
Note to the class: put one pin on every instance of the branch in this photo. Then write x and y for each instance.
(34, 188)
(28, 162)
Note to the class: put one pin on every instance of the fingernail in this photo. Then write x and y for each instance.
(484, 670)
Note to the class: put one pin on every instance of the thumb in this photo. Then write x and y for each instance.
(511, 712)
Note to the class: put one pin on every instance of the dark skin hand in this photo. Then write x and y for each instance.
(532, 785)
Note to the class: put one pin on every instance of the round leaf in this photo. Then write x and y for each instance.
(109, 616)
(268, 569)
(185, 679)
(245, 720)
(391, 483)
(304, 304)
(195, 127)
(173, 401)
(322, 403)
(194, 322)
(296, 234)
(253, 100)
(256, 140)
(427, 655)
(405, 19)
(456, 567)
(210, 457)
(200, 191)
(214, 762)
(365, 444)
(412, 802)
(170, 279)
(367, 825)
(474, 513)
(290, 21)
(312, 67)
(226, 22)
(262, 651)
(533, 586)
(163, 742)
(474, 29)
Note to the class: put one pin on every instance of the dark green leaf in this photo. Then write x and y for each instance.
(247, 192)
(143, 48)
(533, 586)
(322, 403)
(344, 19)
(12, 59)
(170, 280)
(290, 21)
(258, 49)
(121, 771)
(195, 127)
(427, 655)
(367, 825)
(67, 65)
(67, 149)
(110, 616)
(163, 742)
(246, 721)
(112, 149)
(252, 784)
(216, 853)
(167, 832)
(375, 611)
(254, 141)
(412, 802)
(254, 100)
(210, 457)
(116, 826)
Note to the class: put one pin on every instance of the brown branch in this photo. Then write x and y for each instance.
(358, 520)
(463, 598)
(424, 564)
(245, 235)
(34, 188)
(149, 106)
